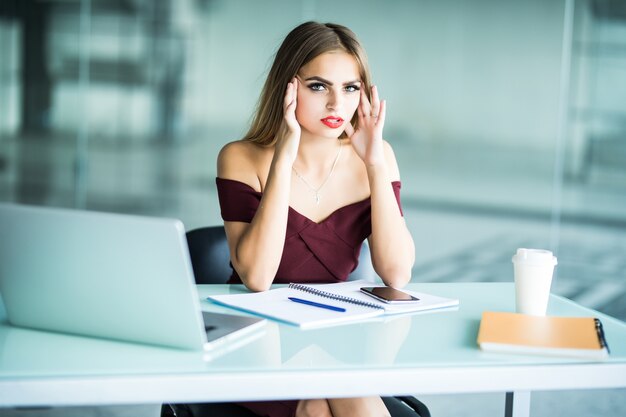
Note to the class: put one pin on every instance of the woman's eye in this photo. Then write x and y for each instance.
(352, 88)
(317, 87)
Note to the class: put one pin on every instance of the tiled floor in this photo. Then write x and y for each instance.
(597, 403)
(116, 411)
(468, 210)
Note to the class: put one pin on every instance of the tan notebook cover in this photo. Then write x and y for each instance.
(520, 333)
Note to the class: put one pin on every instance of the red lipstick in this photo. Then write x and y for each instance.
(332, 122)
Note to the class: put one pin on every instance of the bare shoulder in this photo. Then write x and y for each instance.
(392, 164)
(242, 161)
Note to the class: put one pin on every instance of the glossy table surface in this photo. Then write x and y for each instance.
(410, 354)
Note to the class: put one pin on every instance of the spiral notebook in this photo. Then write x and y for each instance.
(275, 304)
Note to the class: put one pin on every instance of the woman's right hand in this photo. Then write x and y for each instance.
(256, 248)
(289, 134)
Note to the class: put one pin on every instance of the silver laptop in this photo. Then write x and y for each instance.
(106, 275)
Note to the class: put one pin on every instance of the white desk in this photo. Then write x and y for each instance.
(419, 354)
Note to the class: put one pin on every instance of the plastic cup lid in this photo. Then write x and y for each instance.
(534, 257)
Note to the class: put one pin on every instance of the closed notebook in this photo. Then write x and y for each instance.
(542, 335)
(275, 304)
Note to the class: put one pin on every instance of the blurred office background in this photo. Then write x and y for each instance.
(508, 119)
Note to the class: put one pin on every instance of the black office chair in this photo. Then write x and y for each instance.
(209, 251)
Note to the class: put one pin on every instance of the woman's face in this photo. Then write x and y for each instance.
(329, 94)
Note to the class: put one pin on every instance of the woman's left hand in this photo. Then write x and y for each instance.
(367, 139)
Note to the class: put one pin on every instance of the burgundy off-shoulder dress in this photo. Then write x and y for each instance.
(323, 252)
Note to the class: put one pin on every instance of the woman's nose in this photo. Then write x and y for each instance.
(334, 100)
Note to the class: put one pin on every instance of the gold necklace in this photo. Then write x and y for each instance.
(316, 191)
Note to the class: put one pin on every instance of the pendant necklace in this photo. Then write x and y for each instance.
(316, 191)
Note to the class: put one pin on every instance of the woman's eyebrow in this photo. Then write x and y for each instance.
(325, 81)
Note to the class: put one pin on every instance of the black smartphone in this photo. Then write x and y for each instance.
(389, 295)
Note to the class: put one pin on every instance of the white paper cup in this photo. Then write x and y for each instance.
(533, 269)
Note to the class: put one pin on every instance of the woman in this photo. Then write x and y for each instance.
(311, 180)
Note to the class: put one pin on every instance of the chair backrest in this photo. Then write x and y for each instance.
(365, 269)
(210, 256)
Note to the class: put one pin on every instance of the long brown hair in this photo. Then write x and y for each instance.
(302, 45)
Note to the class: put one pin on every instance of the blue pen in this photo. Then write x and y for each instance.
(314, 304)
